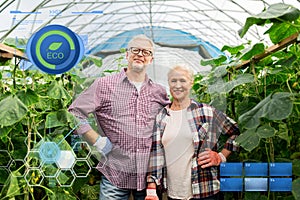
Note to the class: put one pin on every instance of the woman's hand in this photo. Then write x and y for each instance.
(209, 158)
(151, 192)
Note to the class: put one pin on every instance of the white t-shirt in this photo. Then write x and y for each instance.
(178, 145)
(138, 85)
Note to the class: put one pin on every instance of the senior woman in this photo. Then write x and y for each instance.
(184, 156)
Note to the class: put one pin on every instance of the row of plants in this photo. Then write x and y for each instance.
(33, 109)
(260, 90)
(261, 95)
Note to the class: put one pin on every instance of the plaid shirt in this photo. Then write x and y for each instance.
(207, 124)
(126, 117)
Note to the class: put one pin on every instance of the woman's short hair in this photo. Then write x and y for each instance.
(182, 67)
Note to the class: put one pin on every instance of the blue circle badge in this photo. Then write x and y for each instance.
(55, 49)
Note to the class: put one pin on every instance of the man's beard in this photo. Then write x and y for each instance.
(138, 68)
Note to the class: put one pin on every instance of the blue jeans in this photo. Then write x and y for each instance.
(110, 192)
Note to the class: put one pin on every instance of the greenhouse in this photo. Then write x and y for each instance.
(244, 57)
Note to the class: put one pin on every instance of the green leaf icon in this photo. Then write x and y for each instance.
(55, 45)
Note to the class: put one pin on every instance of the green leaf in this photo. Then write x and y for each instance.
(97, 61)
(58, 193)
(296, 167)
(59, 118)
(57, 91)
(275, 11)
(65, 177)
(254, 196)
(5, 131)
(53, 121)
(287, 61)
(265, 131)
(295, 188)
(216, 87)
(12, 110)
(279, 107)
(214, 61)
(220, 86)
(55, 45)
(233, 50)
(13, 188)
(249, 22)
(280, 10)
(90, 192)
(279, 31)
(283, 133)
(219, 71)
(249, 140)
(219, 101)
(20, 43)
(28, 97)
(295, 155)
(276, 106)
(257, 49)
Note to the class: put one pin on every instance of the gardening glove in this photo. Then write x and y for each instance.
(210, 158)
(103, 145)
(151, 194)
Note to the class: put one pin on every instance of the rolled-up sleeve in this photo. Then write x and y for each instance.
(85, 104)
(230, 128)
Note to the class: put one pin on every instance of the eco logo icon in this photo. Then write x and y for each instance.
(55, 49)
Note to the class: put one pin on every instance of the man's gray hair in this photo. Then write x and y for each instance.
(141, 37)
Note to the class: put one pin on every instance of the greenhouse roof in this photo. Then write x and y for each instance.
(213, 21)
(187, 29)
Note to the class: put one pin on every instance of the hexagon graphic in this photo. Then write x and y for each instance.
(33, 160)
(34, 177)
(82, 150)
(66, 159)
(51, 182)
(5, 158)
(50, 170)
(81, 168)
(17, 168)
(65, 178)
(49, 152)
(94, 158)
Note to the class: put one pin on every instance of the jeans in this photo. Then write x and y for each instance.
(110, 192)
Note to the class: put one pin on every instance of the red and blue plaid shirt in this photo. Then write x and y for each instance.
(126, 117)
(207, 124)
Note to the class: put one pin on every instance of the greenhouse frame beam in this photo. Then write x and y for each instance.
(284, 43)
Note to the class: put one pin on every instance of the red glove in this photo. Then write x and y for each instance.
(151, 194)
(210, 158)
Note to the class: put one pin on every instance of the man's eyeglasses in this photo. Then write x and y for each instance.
(136, 51)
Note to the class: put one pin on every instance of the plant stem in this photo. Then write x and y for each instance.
(255, 77)
(14, 74)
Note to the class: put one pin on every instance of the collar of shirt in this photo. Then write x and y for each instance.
(194, 104)
(124, 77)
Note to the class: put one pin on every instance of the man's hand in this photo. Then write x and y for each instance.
(151, 194)
(103, 145)
(209, 158)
